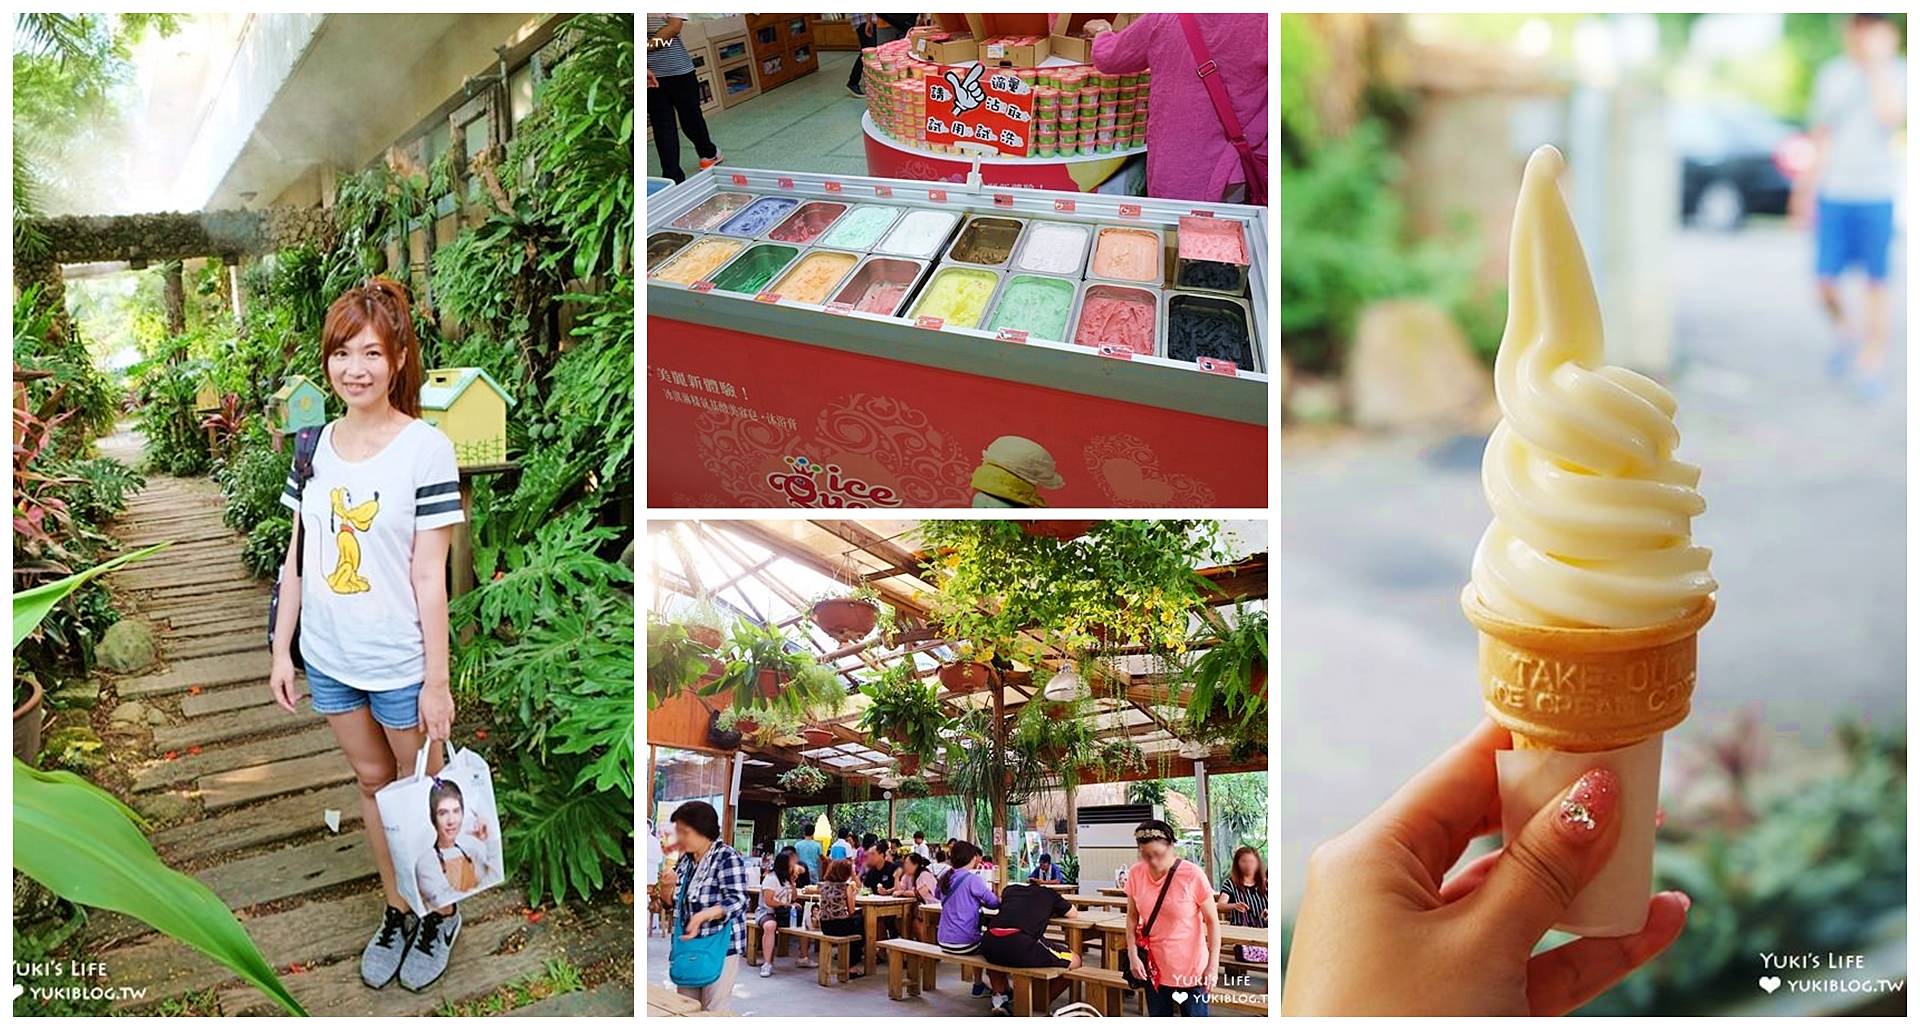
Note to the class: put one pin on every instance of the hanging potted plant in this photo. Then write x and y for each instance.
(964, 675)
(758, 661)
(1056, 529)
(912, 787)
(803, 781)
(850, 617)
(1060, 743)
(705, 622)
(723, 729)
(675, 661)
(905, 712)
(1229, 679)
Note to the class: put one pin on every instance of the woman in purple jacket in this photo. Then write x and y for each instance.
(962, 895)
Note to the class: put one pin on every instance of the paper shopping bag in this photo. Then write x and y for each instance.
(443, 830)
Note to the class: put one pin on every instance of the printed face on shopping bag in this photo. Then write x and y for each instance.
(449, 811)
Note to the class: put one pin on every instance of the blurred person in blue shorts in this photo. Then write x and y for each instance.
(1859, 103)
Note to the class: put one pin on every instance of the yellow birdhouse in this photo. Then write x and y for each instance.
(471, 408)
(297, 405)
(207, 398)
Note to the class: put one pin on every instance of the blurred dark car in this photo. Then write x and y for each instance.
(1736, 160)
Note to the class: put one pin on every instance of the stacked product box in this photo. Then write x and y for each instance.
(1176, 287)
(1078, 111)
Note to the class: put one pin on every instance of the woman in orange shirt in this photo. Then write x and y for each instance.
(1175, 949)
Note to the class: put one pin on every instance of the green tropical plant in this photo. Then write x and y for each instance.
(1056, 736)
(912, 787)
(675, 661)
(761, 657)
(82, 844)
(904, 710)
(1118, 756)
(1223, 674)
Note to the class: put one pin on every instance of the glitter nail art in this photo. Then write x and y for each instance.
(1591, 801)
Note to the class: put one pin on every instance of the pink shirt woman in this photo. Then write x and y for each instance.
(1180, 946)
(1188, 156)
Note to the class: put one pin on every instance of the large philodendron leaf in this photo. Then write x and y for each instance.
(82, 844)
(30, 606)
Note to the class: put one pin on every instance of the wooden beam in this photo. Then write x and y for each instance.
(826, 567)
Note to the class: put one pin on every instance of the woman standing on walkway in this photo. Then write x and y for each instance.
(374, 523)
(710, 889)
(1173, 929)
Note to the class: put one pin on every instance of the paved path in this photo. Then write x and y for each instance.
(237, 790)
(1806, 511)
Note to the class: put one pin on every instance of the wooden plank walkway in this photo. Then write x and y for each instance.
(258, 782)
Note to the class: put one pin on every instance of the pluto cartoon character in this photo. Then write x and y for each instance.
(1012, 471)
(345, 577)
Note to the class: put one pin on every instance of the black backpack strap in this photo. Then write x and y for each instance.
(305, 442)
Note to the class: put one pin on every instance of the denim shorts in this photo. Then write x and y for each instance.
(395, 709)
(1848, 234)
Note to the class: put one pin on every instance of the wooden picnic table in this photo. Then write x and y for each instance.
(1113, 928)
(1097, 901)
(1075, 927)
(1115, 892)
(662, 1001)
(873, 908)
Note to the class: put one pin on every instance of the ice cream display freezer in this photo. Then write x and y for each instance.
(848, 341)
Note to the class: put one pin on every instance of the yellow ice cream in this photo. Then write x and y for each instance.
(700, 260)
(1592, 516)
(814, 276)
(958, 296)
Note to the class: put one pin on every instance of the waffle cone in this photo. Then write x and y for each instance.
(1560, 688)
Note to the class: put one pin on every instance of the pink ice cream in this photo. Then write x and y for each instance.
(1212, 239)
(1123, 317)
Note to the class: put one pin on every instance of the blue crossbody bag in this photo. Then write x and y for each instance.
(694, 963)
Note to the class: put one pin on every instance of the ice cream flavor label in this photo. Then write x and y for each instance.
(703, 286)
(840, 308)
(883, 191)
(767, 297)
(929, 322)
(937, 196)
(1129, 210)
(1011, 336)
(1114, 350)
(1003, 200)
(738, 179)
(1218, 366)
(1063, 205)
(832, 187)
(786, 183)
(1197, 213)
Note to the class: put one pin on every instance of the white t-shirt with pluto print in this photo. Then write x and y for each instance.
(359, 621)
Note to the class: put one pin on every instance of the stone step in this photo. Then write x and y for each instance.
(232, 699)
(231, 642)
(246, 722)
(281, 819)
(612, 998)
(198, 672)
(259, 782)
(134, 538)
(311, 935)
(256, 624)
(249, 599)
(206, 593)
(184, 620)
(197, 571)
(185, 768)
(293, 871)
(474, 971)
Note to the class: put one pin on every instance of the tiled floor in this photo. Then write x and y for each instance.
(808, 125)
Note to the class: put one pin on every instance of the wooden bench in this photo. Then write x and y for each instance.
(753, 944)
(833, 948)
(1029, 986)
(1104, 989)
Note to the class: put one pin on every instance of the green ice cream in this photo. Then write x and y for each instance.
(860, 228)
(1035, 303)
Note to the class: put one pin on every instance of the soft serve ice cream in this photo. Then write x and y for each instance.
(1592, 516)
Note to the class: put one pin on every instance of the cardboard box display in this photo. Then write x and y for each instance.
(952, 50)
(1078, 49)
(726, 25)
(1013, 51)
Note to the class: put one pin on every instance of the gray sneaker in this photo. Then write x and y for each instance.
(431, 946)
(383, 955)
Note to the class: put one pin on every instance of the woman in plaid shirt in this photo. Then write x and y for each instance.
(718, 883)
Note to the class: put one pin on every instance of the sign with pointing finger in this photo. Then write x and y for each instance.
(981, 106)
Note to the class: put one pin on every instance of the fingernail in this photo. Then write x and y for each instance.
(1686, 903)
(1591, 802)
